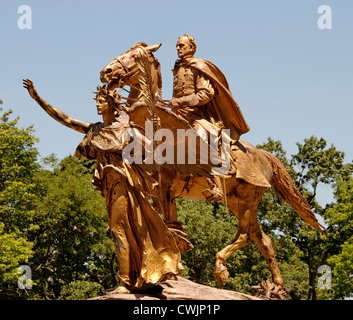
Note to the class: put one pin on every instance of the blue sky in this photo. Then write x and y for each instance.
(291, 79)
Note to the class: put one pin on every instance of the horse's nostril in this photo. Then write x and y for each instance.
(108, 70)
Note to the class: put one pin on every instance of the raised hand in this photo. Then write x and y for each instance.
(56, 113)
(28, 84)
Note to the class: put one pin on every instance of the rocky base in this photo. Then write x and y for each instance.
(180, 289)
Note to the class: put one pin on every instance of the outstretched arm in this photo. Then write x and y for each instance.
(55, 113)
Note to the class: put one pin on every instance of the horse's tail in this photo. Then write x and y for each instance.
(285, 189)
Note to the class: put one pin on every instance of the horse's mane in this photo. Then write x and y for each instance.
(146, 61)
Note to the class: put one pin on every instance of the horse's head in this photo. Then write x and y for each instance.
(126, 69)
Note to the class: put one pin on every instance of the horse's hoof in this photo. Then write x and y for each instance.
(270, 290)
(222, 275)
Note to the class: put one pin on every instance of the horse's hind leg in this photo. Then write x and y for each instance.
(265, 246)
(244, 204)
(241, 239)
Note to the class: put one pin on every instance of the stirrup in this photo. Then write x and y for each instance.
(213, 194)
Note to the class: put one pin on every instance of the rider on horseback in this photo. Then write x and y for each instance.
(202, 97)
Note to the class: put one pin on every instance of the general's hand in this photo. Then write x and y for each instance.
(28, 84)
(184, 102)
(136, 105)
(174, 103)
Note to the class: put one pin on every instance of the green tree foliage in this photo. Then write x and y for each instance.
(53, 220)
(17, 167)
(210, 229)
(340, 216)
(14, 251)
(316, 164)
(74, 243)
(81, 290)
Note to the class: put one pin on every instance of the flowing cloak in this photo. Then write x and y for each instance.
(245, 163)
(222, 106)
(145, 247)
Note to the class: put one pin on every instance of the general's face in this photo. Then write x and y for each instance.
(184, 47)
(102, 105)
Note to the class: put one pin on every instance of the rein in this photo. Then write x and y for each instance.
(128, 74)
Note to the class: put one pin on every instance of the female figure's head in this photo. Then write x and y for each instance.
(107, 103)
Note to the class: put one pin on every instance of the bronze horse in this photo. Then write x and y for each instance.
(255, 171)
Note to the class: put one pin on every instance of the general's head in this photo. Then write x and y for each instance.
(186, 46)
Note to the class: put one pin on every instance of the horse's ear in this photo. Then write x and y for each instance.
(153, 48)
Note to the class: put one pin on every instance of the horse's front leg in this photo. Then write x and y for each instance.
(167, 207)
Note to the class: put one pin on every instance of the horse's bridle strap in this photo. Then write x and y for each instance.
(123, 65)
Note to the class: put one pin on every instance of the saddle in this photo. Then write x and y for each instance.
(244, 162)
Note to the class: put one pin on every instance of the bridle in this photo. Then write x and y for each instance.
(128, 74)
